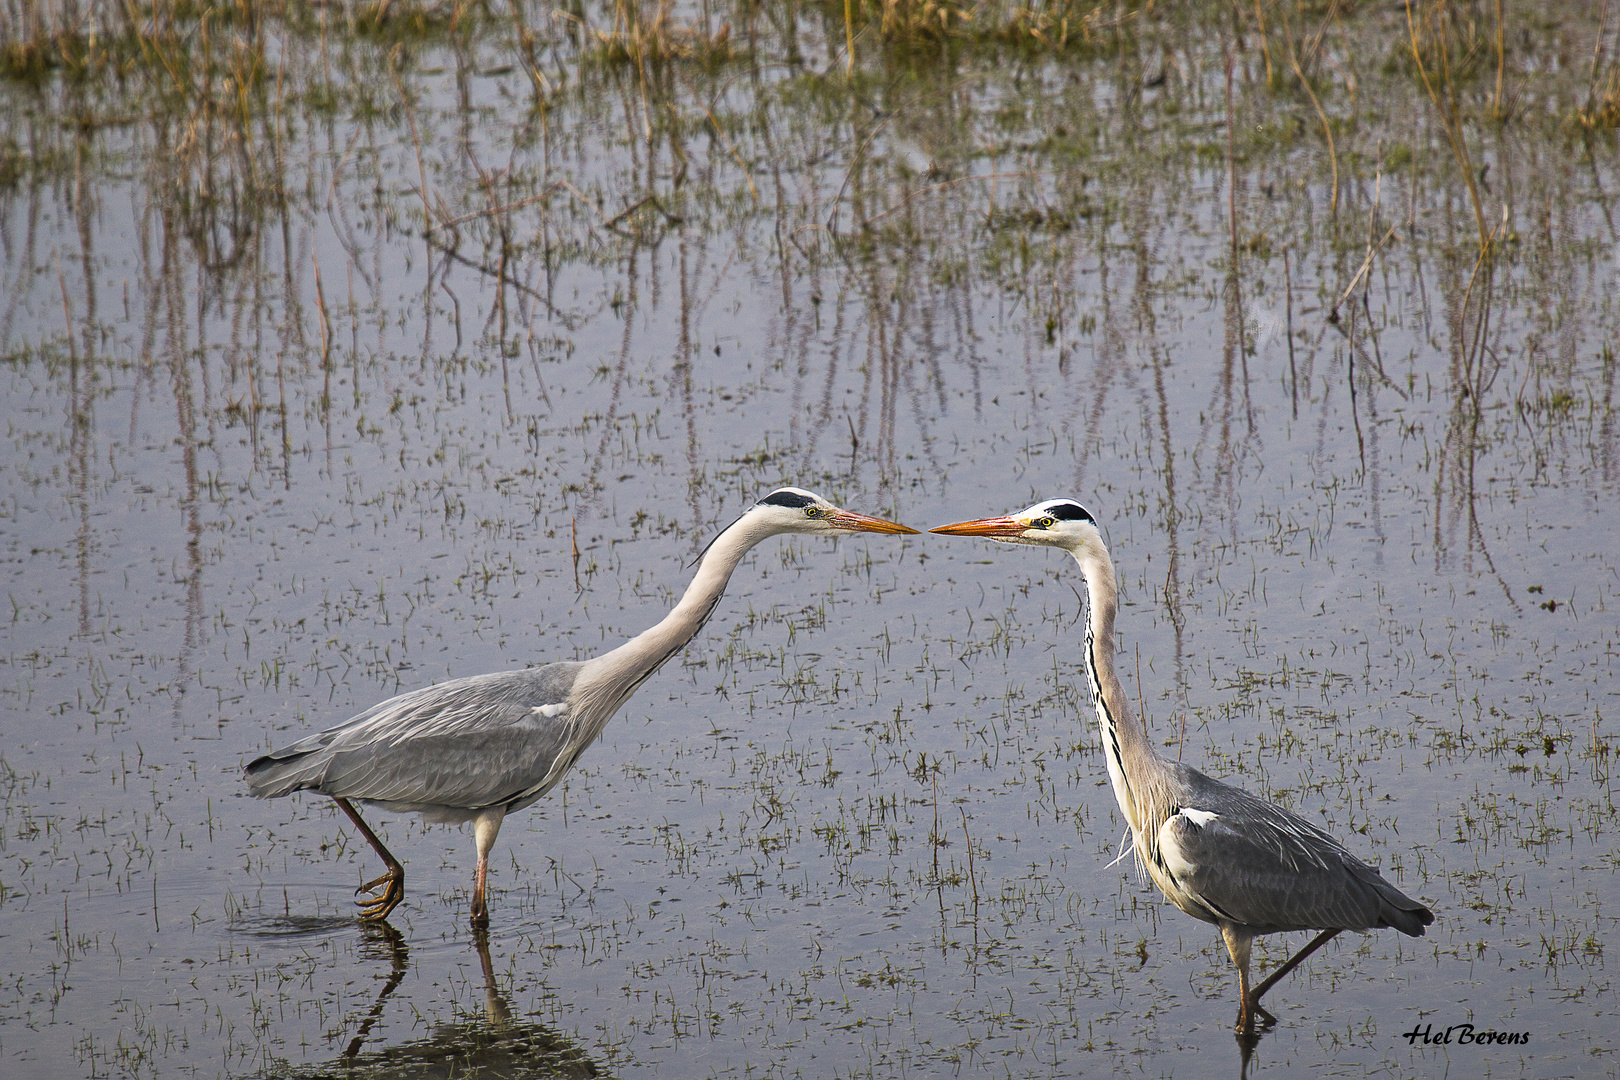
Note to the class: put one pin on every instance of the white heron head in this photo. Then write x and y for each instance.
(1060, 523)
(795, 510)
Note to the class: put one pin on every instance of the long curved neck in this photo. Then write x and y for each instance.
(615, 674)
(1133, 762)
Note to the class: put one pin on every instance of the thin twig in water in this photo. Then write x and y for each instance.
(1462, 317)
(491, 211)
(1288, 308)
(741, 164)
(973, 877)
(612, 222)
(1333, 312)
(326, 358)
(573, 539)
(849, 40)
(494, 272)
(416, 141)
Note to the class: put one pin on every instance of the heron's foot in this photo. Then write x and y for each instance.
(480, 917)
(375, 908)
(1252, 1018)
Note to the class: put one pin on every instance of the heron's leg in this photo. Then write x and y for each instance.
(376, 908)
(486, 826)
(1271, 980)
(1238, 943)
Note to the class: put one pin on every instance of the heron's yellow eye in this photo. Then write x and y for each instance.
(812, 511)
(1046, 522)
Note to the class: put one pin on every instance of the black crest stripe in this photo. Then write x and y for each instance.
(791, 499)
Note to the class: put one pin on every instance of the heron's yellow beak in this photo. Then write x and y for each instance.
(849, 519)
(997, 528)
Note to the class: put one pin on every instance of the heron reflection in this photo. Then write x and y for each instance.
(491, 1047)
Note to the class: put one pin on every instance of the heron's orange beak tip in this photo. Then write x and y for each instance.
(998, 528)
(849, 519)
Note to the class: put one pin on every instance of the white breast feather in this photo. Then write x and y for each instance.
(1170, 847)
(549, 711)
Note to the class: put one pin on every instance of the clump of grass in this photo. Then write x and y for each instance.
(406, 20)
(14, 163)
(638, 39)
(38, 53)
(1041, 24)
(1602, 109)
(907, 21)
(1060, 25)
(28, 62)
(1442, 64)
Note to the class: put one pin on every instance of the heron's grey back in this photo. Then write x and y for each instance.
(1270, 870)
(465, 744)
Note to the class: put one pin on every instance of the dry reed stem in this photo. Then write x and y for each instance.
(1501, 63)
(416, 141)
(1265, 41)
(526, 53)
(849, 38)
(1448, 116)
(1327, 129)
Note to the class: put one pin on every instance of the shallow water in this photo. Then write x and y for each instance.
(274, 457)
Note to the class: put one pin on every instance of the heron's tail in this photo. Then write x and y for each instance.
(1402, 913)
(292, 768)
(1395, 909)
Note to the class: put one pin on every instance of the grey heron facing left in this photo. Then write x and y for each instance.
(476, 749)
(1216, 852)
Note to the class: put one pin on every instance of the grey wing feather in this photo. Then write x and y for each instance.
(467, 743)
(1262, 867)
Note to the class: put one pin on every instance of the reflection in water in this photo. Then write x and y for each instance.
(393, 945)
(1173, 585)
(685, 350)
(1247, 1039)
(1475, 363)
(492, 1046)
(1360, 330)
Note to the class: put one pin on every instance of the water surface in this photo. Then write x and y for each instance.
(354, 355)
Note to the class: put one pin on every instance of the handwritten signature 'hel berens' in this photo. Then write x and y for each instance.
(1464, 1035)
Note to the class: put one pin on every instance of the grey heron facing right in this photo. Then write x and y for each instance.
(1217, 852)
(476, 749)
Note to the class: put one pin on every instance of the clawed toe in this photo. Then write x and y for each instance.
(374, 882)
(376, 908)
